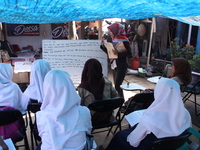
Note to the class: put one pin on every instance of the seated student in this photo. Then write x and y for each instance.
(62, 123)
(181, 72)
(39, 69)
(165, 117)
(10, 93)
(95, 87)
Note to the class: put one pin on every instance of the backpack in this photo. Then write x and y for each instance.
(11, 130)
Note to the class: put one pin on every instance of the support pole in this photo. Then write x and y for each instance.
(150, 42)
(189, 34)
(100, 29)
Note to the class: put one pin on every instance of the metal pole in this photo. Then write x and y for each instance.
(189, 34)
(150, 42)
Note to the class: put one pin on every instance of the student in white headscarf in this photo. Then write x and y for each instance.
(39, 69)
(62, 123)
(165, 117)
(10, 93)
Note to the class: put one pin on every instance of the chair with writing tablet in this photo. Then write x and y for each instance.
(104, 105)
(137, 102)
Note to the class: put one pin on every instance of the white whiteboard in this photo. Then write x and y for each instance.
(71, 55)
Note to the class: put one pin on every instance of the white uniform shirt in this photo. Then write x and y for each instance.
(62, 122)
(77, 139)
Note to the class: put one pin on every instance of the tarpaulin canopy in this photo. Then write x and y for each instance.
(57, 11)
(194, 20)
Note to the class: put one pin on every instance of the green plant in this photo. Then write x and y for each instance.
(179, 49)
(195, 62)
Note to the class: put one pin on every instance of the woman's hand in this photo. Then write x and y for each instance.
(115, 51)
(102, 41)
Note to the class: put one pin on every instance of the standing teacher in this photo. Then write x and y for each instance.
(117, 33)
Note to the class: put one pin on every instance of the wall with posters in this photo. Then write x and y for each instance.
(35, 41)
(45, 31)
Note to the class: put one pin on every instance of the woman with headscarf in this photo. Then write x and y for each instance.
(62, 123)
(95, 87)
(117, 32)
(39, 69)
(181, 72)
(10, 93)
(165, 117)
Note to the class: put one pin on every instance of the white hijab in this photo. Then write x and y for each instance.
(166, 116)
(6, 74)
(10, 93)
(59, 107)
(39, 69)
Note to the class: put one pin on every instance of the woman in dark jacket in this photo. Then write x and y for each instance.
(117, 33)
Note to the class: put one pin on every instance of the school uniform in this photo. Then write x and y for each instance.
(62, 123)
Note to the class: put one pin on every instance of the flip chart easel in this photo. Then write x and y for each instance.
(71, 55)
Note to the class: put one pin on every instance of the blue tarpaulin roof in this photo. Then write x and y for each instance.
(57, 11)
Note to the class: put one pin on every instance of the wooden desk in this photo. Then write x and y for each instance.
(21, 72)
(21, 77)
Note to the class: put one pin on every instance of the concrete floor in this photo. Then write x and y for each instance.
(102, 140)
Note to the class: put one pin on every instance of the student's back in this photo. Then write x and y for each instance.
(62, 123)
(95, 87)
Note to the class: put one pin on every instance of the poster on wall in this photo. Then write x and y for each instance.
(23, 29)
(59, 30)
(71, 55)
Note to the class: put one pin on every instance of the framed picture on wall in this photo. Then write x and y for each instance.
(23, 29)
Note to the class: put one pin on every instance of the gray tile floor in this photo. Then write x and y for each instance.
(102, 140)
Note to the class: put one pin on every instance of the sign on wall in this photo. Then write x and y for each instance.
(23, 29)
(71, 55)
(59, 30)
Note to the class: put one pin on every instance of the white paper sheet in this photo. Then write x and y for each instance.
(154, 79)
(134, 117)
(22, 67)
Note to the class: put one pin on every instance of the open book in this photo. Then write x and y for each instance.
(111, 50)
(134, 117)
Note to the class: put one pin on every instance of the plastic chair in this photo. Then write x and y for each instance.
(192, 90)
(170, 143)
(33, 108)
(9, 116)
(107, 105)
